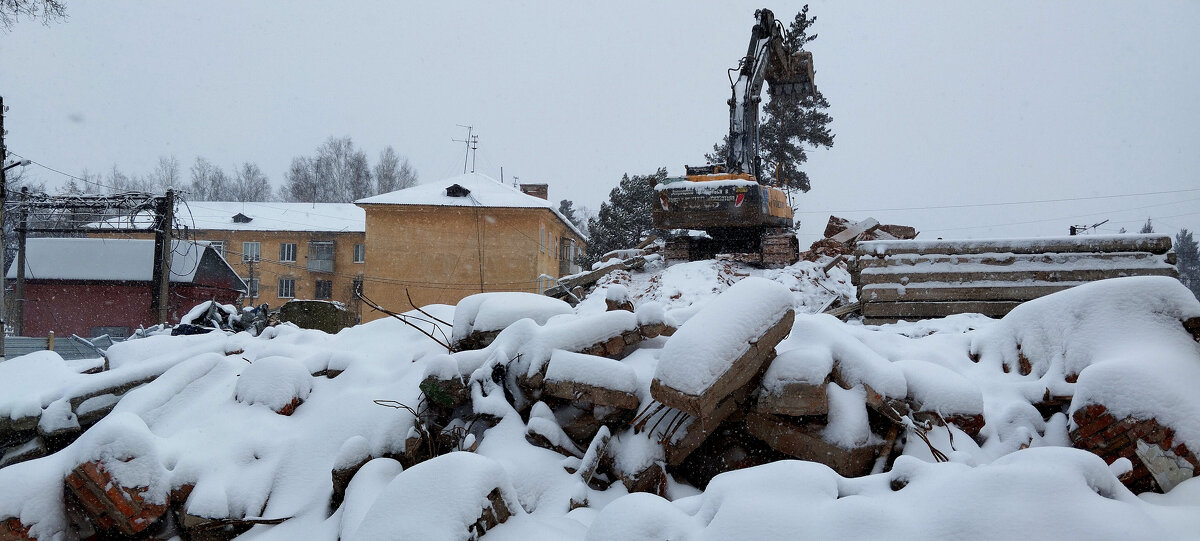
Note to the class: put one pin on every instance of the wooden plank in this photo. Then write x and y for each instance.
(924, 310)
(871, 276)
(1015, 292)
(843, 310)
(1133, 259)
(1156, 244)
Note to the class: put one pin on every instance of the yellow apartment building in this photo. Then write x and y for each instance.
(444, 240)
(284, 251)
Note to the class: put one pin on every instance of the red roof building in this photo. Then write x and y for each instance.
(91, 286)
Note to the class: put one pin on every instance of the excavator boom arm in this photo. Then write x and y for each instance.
(786, 74)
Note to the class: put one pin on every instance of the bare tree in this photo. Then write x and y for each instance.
(338, 173)
(251, 184)
(209, 182)
(386, 170)
(47, 10)
(300, 182)
(118, 182)
(407, 176)
(166, 174)
(393, 172)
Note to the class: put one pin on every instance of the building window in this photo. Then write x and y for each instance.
(542, 238)
(219, 246)
(320, 256)
(360, 253)
(287, 252)
(251, 286)
(287, 287)
(250, 251)
(324, 289)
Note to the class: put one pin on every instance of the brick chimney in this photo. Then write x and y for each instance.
(536, 190)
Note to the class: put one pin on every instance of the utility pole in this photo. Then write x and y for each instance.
(3, 246)
(19, 324)
(467, 142)
(252, 291)
(160, 293)
(474, 148)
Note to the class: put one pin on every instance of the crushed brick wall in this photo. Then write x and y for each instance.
(1102, 433)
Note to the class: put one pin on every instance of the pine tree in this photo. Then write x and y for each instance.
(1187, 260)
(624, 220)
(566, 207)
(790, 123)
(1148, 228)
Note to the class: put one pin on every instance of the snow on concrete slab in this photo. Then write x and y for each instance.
(856, 363)
(274, 382)
(938, 389)
(484, 312)
(705, 347)
(598, 380)
(440, 499)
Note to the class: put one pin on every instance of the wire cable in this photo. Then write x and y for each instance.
(1008, 203)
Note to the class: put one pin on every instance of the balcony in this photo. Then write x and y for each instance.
(320, 256)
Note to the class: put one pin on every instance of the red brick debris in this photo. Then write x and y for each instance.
(1102, 433)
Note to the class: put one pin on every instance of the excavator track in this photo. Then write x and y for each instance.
(776, 248)
(779, 249)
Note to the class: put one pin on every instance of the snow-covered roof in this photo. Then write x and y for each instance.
(260, 216)
(106, 259)
(485, 191)
(271, 216)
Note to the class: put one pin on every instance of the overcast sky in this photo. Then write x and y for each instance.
(949, 105)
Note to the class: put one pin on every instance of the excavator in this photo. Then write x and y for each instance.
(739, 213)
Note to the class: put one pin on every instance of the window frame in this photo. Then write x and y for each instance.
(317, 289)
(252, 287)
(329, 264)
(283, 249)
(290, 290)
(218, 246)
(360, 253)
(246, 251)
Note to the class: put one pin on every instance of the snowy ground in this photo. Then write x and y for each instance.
(208, 421)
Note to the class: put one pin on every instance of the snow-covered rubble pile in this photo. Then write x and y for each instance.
(544, 432)
(1083, 334)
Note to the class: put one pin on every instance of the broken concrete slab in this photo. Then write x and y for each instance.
(458, 495)
(795, 399)
(588, 378)
(736, 373)
(804, 441)
(681, 433)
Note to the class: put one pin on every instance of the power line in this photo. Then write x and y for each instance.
(1008, 203)
(44, 166)
(1073, 217)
